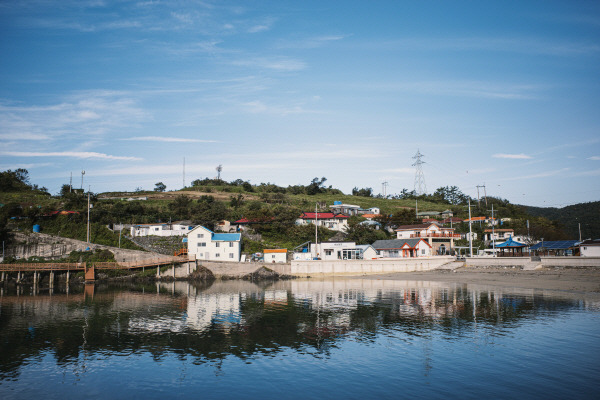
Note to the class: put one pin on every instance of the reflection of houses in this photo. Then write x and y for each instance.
(203, 244)
(203, 310)
(179, 228)
(590, 248)
(401, 248)
(441, 239)
(329, 220)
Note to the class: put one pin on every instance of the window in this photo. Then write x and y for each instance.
(230, 244)
(200, 254)
(203, 244)
(328, 252)
(422, 251)
(200, 235)
(156, 229)
(272, 255)
(230, 255)
(217, 244)
(217, 255)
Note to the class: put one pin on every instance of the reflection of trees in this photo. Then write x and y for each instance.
(138, 319)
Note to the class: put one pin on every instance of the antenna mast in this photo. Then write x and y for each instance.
(420, 187)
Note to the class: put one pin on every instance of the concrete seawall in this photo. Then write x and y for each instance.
(366, 267)
(527, 263)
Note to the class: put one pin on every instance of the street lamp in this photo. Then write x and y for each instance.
(542, 248)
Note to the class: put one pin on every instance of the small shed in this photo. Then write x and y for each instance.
(275, 255)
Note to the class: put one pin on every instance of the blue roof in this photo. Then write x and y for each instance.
(227, 237)
(510, 243)
(555, 245)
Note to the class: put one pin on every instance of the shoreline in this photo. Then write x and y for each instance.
(571, 281)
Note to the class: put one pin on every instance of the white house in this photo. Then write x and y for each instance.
(590, 248)
(498, 234)
(204, 244)
(275, 255)
(348, 209)
(179, 228)
(329, 220)
(402, 248)
(367, 252)
(441, 239)
(328, 251)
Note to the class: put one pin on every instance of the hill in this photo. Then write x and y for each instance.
(586, 214)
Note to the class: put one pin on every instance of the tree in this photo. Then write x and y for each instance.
(450, 195)
(160, 187)
(362, 233)
(366, 192)
(316, 186)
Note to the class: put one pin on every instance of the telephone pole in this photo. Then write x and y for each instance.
(470, 231)
(493, 232)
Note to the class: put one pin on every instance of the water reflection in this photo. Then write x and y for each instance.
(243, 319)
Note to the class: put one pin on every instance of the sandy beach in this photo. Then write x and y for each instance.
(561, 280)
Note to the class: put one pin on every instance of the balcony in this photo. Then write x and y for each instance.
(436, 235)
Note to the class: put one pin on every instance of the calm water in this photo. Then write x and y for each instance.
(298, 339)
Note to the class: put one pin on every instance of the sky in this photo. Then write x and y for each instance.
(502, 94)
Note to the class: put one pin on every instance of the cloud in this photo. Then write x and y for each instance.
(595, 158)
(513, 156)
(23, 136)
(71, 154)
(311, 42)
(538, 175)
(167, 139)
(276, 63)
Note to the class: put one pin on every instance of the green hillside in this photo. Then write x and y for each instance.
(586, 214)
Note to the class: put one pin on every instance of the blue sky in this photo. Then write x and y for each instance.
(504, 94)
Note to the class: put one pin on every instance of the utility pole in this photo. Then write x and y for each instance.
(316, 232)
(579, 231)
(82, 174)
(88, 218)
(184, 172)
(485, 194)
(478, 196)
(383, 188)
(493, 233)
(71, 183)
(470, 231)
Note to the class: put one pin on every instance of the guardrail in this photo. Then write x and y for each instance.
(31, 267)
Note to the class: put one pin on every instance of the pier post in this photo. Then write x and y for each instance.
(173, 270)
(51, 283)
(35, 278)
(68, 276)
(18, 276)
(158, 271)
(2, 276)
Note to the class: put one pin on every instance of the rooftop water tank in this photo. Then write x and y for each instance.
(337, 203)
(37, 228)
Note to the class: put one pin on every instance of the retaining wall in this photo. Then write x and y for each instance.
(366, 267)
(526, 262)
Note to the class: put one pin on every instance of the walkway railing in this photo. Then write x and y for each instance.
(24, 267)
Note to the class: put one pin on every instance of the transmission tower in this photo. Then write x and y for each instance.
(420, 187)
(383, 187)
(219, 169)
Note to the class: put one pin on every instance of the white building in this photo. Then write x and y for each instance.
(329, 220)
(328, 251)
(402, 248)
(179, 228)
(348, 209)
(204, 244)
(590, 248)
(275, 255)
(441, 239)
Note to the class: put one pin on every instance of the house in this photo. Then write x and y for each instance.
(447, 214)
(370, 216)
(179, 228)
(328, 251)
(402, 248)
(347, 209)
(429, 214)
(244, 223)
(483, 220)
(441, 239)
(372, 210)
(497, 234)
(589, 248)
(275, 255)
(204, 244)
(225, 226)
(367, 252)
(329, 220)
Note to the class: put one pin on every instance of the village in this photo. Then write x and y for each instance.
(434, 236)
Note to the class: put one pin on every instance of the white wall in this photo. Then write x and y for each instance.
(201, 246)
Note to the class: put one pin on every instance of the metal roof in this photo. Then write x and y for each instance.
(510, 243)
(226, 237)
(555, 245)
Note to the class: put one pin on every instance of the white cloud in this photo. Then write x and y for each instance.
(167, 139)
(277, 63)
(595, 158)
(539, 175)
(71, 154)
(513, 156)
